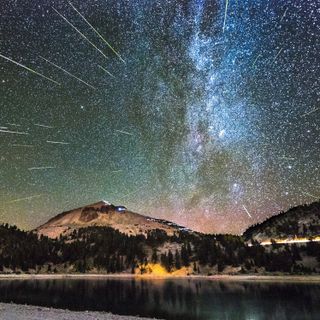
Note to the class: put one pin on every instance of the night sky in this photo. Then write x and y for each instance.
(202, 112)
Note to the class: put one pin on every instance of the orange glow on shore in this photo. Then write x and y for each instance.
(156, 269)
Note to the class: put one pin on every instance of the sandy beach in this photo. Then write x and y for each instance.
(10, 311)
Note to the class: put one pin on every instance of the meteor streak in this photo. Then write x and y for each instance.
(22, 145)
(116, 171)
(277, 55)
(68, 73)
(97, 32)
(311, 195)
(13, 132)
(246, 210)
(42, 125)
(14, 124)
(40, 168)
(24, 199)
(287, 158)
(312, 111)
(82, 35)
(131, 193)
(284, 14)
(29, 69)
(225, 15)
(105, 70)
(57, 142)
(125, 132)
(256, 59)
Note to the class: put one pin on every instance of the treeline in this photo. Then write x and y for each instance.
(106, 250)
(101, 248)
(229, 250)
(24, 250)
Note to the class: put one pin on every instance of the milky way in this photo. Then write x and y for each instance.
(202, 112)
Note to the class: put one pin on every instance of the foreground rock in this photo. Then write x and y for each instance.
(23, 312)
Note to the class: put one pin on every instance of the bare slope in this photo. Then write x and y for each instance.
(104, 214)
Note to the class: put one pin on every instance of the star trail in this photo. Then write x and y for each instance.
(201, 112)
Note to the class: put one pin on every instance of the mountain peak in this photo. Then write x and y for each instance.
(104, 202)
(98, 203)
(104, 213)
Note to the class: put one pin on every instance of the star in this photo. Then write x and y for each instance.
(183, 111)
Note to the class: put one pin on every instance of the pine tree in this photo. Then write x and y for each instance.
(194, 267)
(164, 261)
(154, 257)
(170, 260)
(184, 256)
(177, 260)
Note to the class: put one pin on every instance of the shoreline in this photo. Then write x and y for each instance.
(122, 276)
(9, 311)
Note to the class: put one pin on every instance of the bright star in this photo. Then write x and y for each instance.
(222, 133)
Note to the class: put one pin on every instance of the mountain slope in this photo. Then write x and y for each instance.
(105, 214)
(298, 222)
(103, 238)
(102, 250)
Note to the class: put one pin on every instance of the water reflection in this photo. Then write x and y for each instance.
(171, 299)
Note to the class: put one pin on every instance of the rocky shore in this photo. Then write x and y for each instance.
(10, 311)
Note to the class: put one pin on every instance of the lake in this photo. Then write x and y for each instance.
(196, 299)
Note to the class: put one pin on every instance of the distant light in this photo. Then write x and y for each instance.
(222, 133)
(121, 208)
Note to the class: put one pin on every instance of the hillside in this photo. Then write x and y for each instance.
(102, 250)
(105, 214)
(103, 238)
(301, 222)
